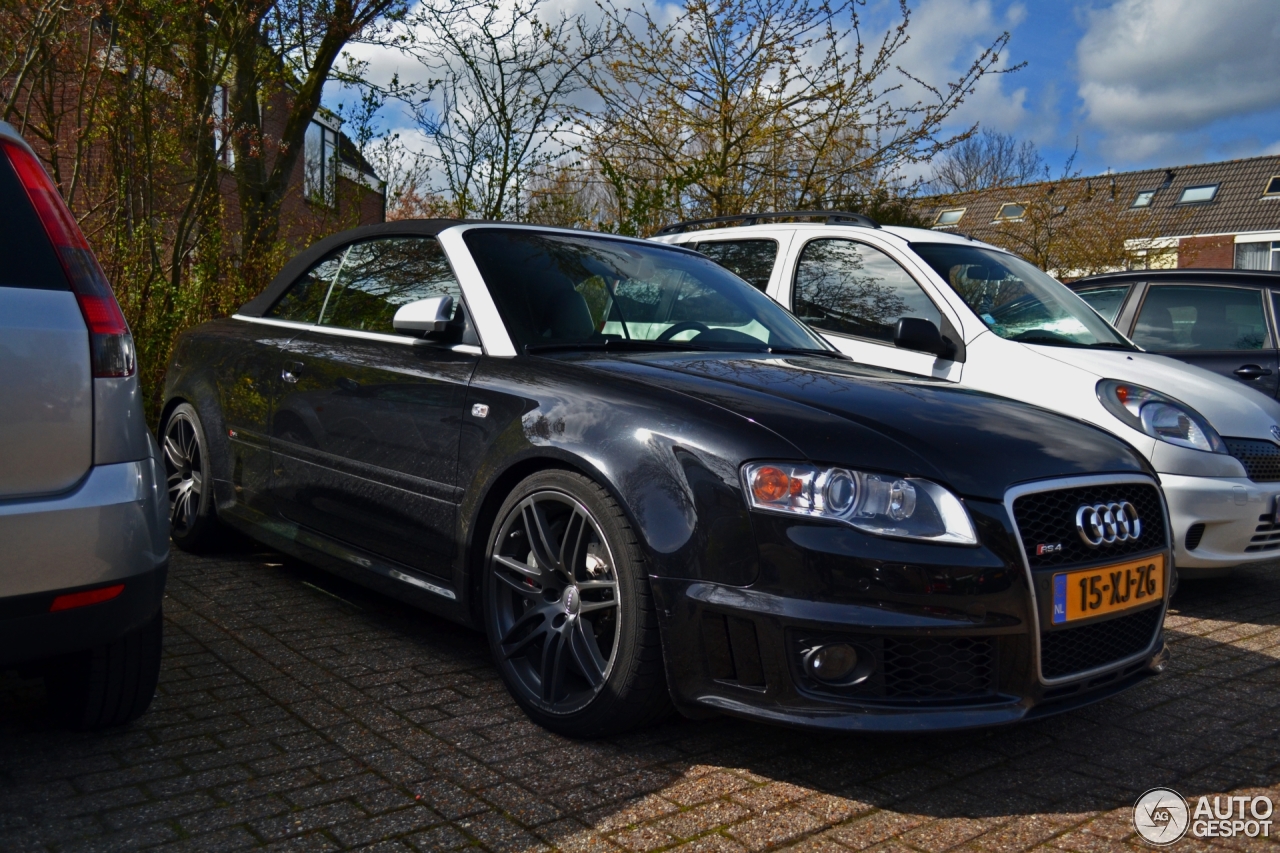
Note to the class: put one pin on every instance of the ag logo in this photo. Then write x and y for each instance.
(1161, 816)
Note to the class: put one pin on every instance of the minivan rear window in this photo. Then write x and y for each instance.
(28, 257)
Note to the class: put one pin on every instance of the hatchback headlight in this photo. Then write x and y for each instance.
(903, 507)
(1159, 416)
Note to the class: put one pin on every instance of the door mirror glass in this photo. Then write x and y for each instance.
(424, 316)
(920, 335)
(855, 289)
(1187, 318)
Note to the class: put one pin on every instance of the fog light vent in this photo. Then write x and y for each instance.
(1194, 534)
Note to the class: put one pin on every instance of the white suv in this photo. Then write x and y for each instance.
(943, 305)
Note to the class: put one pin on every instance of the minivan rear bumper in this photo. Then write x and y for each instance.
(111, 526)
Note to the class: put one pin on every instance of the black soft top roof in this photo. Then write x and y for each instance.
(306, 259)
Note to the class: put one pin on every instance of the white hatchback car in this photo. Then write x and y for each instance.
(943, 305)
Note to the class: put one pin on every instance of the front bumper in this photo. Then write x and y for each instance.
(1236, 519)
(741, 654)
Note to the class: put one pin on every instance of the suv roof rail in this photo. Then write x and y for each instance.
(832, 217)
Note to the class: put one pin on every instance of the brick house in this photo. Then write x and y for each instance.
(1216, 215)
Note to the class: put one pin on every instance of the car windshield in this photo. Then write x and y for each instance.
(1016, 299)
(563, 290)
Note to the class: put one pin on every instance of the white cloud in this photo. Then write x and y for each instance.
(1153, 71)
(946, 37)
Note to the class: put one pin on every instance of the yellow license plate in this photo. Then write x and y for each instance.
(1106, 589)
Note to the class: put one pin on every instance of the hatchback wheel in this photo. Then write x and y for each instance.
(110, 685)
(192, 518)
(568, 611)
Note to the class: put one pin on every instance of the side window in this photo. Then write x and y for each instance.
(303, 300)
(855, 289)
(1106, 300)
(750, 260)
(379, 276)
(1180, 318)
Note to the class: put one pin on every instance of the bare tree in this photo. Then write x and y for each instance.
(987, 159)
(504, 77)
(738, 105)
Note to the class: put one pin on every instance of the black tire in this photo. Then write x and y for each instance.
(193, 517)
(580, 675)
(110, 685)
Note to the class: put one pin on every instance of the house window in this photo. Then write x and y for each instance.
(222, 150)
(1010, 212)
(320, 179)
(1258, 256)
(1198, 195)
(1143, 198)
(1273, 187)
(949, 217)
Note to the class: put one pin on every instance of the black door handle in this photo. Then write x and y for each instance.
(1251, 371)
(346, 383)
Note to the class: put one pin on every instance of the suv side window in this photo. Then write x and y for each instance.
(302, 302)
(1185, 318)
(1106, 300)
(750, 260)
(855, 289)
(379, 276)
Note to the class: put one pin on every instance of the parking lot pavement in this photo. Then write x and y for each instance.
(298, 712)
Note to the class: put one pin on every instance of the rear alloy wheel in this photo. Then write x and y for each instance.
(568, 610)
(192, 521)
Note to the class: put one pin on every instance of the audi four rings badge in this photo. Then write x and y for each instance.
(1107, 523)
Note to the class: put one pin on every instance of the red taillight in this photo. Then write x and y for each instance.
(83, 599)
(111, 344)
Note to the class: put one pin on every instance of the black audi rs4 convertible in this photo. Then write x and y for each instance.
(652, 486)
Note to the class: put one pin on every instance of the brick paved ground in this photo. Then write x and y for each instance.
(296, 712)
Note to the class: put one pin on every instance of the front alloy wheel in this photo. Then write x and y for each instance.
(568, 611)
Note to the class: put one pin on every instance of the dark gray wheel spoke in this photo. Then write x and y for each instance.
(520, 568)
(586, 654)
(553, 662)
(572, 542)
(540, 535)
(590, 606)
(518, 586)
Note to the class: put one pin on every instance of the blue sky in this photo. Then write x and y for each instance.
(1138, 83)
(1135, 83)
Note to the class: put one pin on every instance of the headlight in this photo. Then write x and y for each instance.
(1159, 416)
(904, 507)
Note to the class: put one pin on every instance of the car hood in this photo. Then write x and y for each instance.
(1233, 409)
(841, 413)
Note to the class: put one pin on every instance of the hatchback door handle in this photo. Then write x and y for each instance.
(1251, 371)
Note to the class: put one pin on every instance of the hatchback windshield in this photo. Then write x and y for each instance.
(1016, 299)
(560, 289)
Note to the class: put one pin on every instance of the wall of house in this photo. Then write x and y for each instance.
(1207, 252)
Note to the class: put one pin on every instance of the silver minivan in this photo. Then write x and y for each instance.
(83, 513)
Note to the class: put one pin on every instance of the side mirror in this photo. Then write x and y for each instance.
(424, 316)
(921, 335)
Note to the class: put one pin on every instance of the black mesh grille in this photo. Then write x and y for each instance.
(1049, 518)
(1266, 537)
(1072, 650)
(1194, 534)
(1261, 459)
(954, 668)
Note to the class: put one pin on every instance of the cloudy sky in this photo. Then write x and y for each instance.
(1137, 82)
(1132, 83)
